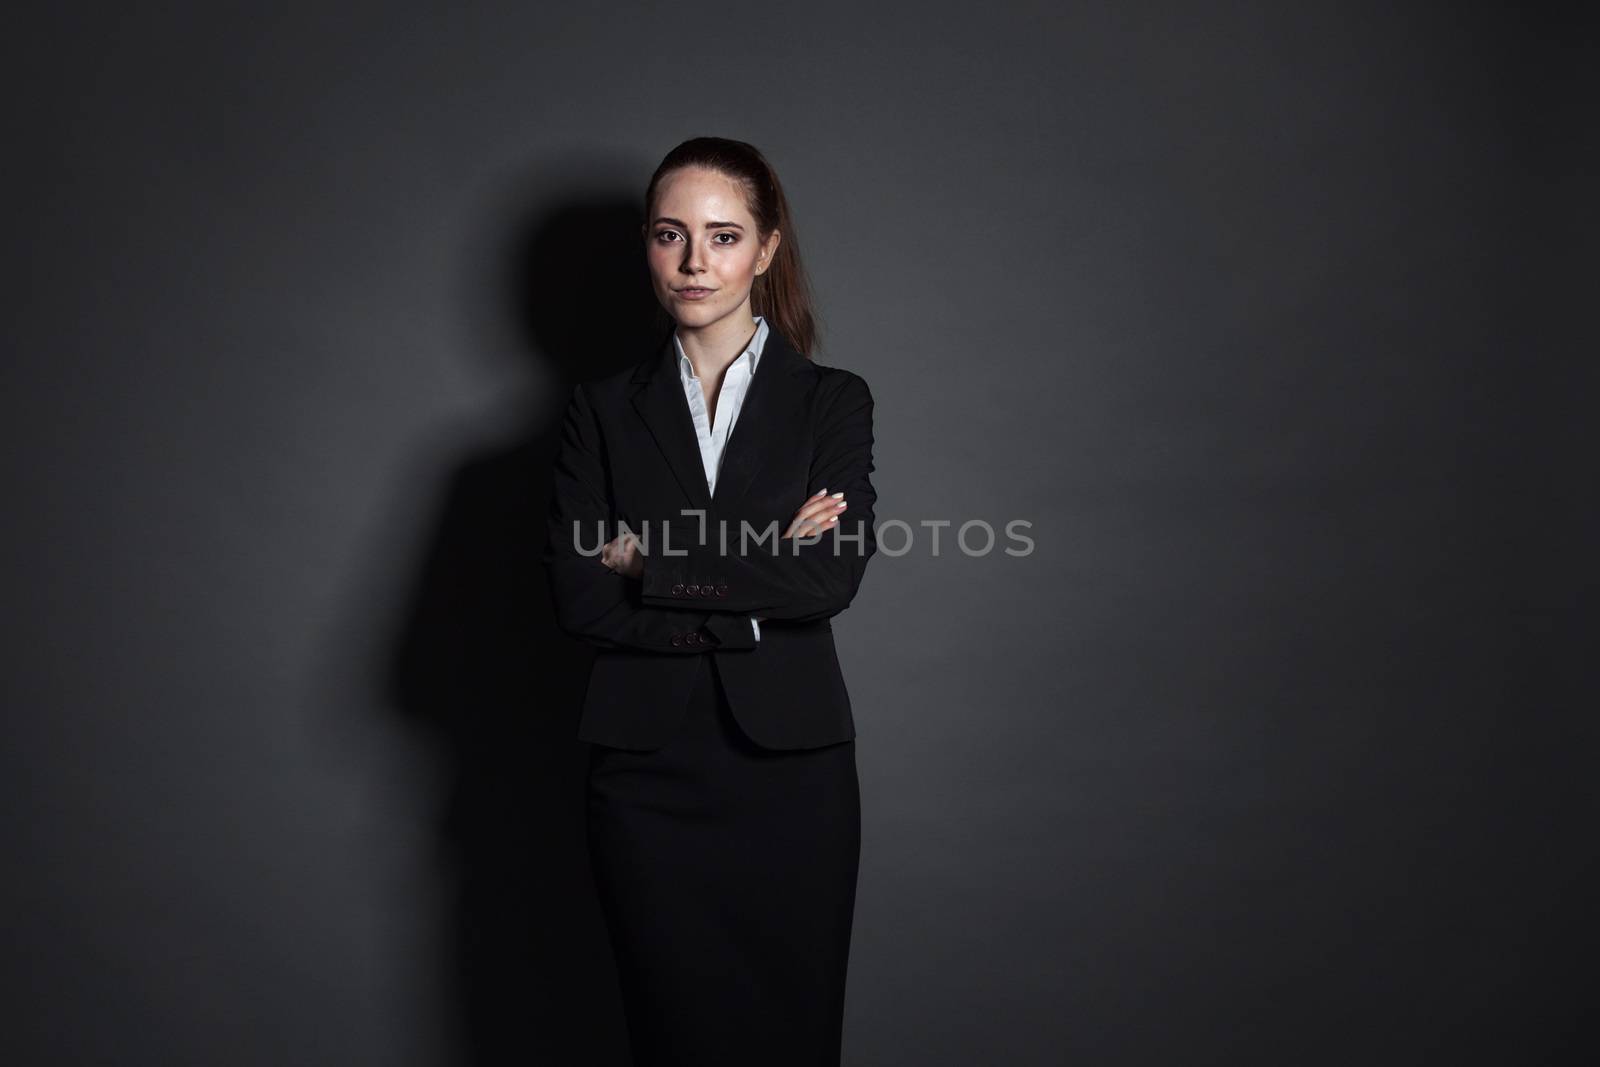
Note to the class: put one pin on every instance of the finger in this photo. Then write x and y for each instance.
(821, 515)
(809, 527)
(821, 507)
(820, 496)
(804, 519)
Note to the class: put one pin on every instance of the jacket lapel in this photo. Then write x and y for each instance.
(771, 417)
(661, 404)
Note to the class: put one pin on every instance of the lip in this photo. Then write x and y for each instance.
(693, 293)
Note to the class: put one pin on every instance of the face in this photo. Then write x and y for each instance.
(703, 248)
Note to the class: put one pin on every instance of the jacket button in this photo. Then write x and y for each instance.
(693, 590)
(722, 590)
(692, 639)
(677, 590)
(706, 590)
(677, 639)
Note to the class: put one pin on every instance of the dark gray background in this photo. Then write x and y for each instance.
(1265, 755)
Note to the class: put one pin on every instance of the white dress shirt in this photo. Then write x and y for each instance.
(735, 384)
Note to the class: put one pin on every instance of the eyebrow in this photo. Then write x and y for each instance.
(710, 225)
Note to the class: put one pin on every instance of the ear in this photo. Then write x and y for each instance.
(769, 249)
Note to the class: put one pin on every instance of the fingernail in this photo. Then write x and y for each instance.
(840, 493)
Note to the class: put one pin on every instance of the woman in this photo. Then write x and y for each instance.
(713, 477)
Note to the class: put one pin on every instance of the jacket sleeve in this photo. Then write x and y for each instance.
(594, 603)
(793, 579)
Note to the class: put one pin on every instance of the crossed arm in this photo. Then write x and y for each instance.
(794, 579)
(791, 579)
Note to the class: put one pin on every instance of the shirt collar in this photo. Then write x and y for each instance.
(751, 353)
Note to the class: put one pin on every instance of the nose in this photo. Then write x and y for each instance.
(691, 259)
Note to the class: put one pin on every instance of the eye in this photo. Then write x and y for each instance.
(662, 235)
(732, 238)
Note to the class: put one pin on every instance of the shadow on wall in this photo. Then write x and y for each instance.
(480, 666)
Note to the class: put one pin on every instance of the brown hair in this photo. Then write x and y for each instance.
(781, 294)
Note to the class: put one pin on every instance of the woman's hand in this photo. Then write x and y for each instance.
(622, 555)
(819, 513)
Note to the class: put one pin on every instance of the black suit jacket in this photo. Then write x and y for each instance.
(629, 455)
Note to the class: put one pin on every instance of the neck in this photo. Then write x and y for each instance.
(712, 347)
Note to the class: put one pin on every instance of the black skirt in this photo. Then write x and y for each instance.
(727, 876)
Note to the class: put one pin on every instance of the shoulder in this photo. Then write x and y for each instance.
(840, 400)
(605, 393)
(838, 387)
